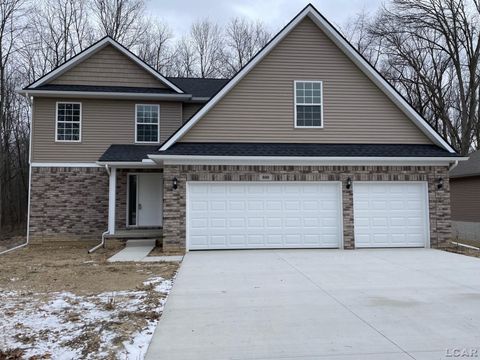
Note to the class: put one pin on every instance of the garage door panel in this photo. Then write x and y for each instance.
(390, 214)
(258, 215)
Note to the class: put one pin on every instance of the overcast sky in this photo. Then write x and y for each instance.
(180, 14)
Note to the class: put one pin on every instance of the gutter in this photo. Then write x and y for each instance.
(453, 166)
(120, 164)
(308, 160)
(104, 94)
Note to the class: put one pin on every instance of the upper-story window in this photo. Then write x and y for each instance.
(147, 123)
(69, 120)
(308, 104)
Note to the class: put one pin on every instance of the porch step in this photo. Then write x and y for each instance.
(135, 250)
(136, 234)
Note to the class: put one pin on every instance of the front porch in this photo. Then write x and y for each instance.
(135, 202)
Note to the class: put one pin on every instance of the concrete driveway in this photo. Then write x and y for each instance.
(321, 304)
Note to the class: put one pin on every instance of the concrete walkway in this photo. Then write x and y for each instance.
(321, 304)
(138, 250)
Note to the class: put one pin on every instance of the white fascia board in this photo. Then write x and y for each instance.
(146, 163)
(92, 50)
(64, 164)
(301, 160)
(103, 94)
(347, 49)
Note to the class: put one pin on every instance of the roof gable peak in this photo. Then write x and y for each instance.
(342, 43)
(95, 48)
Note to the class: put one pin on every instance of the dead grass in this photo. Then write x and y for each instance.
(158, 251)
(34, 276)
(463, 250)
(67, 266)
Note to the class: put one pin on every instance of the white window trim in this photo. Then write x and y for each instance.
(158, 124)
(56, 122)
(295, 104)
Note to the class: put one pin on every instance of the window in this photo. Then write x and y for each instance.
(69, 117)
(308, 104)
(147, 123)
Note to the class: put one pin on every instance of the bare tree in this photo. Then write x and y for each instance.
(183, 59)
(243, 40)
(154, 47)
(357, 31)
(430, 51)
(59, 30)
(207, 42)
(122, 20)
(11, 27)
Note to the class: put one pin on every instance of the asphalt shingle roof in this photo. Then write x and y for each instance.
(199, 87)
(301, 150)
(130, 153)
(140, 152)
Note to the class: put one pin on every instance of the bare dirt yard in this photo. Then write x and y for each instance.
(59, 302)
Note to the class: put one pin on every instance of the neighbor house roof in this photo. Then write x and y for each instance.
(471, 167)
(343, 44)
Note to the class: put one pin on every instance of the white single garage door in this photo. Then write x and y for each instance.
(390, 214)
(248, 215)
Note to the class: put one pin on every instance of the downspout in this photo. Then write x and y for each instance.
(453, 166)
(102, 243)
(29, 180)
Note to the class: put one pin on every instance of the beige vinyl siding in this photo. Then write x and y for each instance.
(465, 198)
(189, 109)
(108, 67)
(260, 108)
(104, 122)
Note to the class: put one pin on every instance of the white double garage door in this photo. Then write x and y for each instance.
(250, 215)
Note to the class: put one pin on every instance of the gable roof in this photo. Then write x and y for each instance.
(343, 44)
(94, 48)
(471, 167)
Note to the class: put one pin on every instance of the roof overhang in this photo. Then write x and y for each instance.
(342, 43)
(303, 160)
(145, 163)
(103, 95)
(92, 50)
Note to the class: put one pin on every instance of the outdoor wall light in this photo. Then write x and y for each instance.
(439, 183)
(349, 183)
(175, 183)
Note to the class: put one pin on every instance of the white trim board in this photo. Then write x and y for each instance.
(347, 49)
(92, 50)
(105, 95)
(65, 164)
(283, 160)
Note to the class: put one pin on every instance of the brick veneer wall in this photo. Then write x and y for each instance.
(175, 200)
(72, 203)
(68, 203)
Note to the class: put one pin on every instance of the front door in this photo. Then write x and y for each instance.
(145, 199)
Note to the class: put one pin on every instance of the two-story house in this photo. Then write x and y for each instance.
(307, 146)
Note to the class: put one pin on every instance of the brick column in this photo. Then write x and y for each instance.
(174, 210)
(348, 228)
